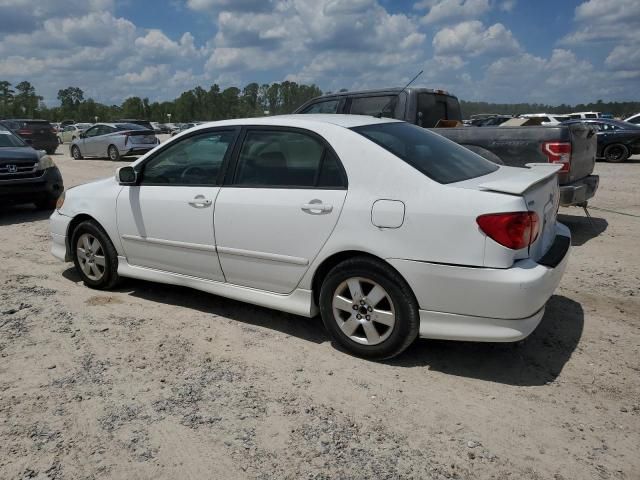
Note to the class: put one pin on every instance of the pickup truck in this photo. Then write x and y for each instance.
(574, 146)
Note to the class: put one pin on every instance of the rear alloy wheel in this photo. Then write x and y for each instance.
(94, 256)
(616, 153)
(114, 154)
(75, 153)
(369, 309)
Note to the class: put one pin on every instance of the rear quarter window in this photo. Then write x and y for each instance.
(431, 154)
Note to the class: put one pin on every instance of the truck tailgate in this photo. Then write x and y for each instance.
(583, 151)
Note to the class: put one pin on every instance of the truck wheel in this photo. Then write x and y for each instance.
(616, 153)
(368, 308)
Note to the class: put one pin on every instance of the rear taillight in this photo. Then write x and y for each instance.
(558, 152)
(24, 131)
(514, 230)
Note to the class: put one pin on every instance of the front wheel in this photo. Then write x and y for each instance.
(113, 153)
(616, 153)
(94, 256)
(369, 309)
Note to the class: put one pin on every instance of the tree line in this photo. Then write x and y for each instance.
(22, 101)
(253, 100)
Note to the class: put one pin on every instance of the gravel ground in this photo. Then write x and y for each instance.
(154, 381)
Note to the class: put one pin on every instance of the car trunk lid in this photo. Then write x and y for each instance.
(538, 186)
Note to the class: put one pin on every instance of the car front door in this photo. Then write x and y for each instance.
(88, 142)
(166, 221)
(280, 202)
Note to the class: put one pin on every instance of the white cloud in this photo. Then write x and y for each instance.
(439, 10)
(605, 21)
(472, 38)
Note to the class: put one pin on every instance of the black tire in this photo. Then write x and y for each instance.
(48, 203)
(51, 151)
(616, 153)
(75, 153)
(110, 276)
(113, 153)
(401, 298)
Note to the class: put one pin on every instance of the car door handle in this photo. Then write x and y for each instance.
(200, 202)
(316, 207)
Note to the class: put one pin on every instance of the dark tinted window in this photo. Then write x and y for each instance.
(634, 120)
(129, 126)
(92, 132)
(195, 160)
(285, 159)
(591, 115)
(374, 105)
(433, 107)
(435, 156)
(329, 106)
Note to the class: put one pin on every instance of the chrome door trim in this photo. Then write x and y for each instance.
(170, 243)
(275, 257)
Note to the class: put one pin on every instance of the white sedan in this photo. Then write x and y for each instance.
(388, 230)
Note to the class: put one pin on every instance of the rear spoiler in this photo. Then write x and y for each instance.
(523, 181)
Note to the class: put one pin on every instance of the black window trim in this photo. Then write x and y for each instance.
(221, 173)
(229, 181)
(403, 100)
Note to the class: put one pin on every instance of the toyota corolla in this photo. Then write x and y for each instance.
(387, 230)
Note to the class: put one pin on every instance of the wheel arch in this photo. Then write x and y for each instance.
(77, 220)
(331, 261)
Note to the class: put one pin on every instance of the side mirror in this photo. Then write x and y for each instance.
(126, 176)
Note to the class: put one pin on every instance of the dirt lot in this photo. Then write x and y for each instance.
(154, 381)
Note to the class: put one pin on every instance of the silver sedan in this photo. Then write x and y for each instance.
(113, 140)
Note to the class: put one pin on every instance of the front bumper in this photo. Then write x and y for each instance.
(47, 185)
(483, 304)
(58, 226)
(579, 192)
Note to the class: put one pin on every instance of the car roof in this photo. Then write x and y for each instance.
(305, 120)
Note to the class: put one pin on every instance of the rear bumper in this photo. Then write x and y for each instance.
(137, 149)
(48, 185)
(579, 192)
(485, 304)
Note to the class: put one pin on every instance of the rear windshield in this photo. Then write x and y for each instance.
(8, 139)
(129, 126)
(435, 156)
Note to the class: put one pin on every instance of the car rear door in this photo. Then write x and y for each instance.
(279, 205)
(166, 221)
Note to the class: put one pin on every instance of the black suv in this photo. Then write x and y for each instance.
(40, 134)
(27, 175)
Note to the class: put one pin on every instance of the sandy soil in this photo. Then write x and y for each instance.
(153, 381)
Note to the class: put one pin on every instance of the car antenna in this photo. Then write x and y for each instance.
(379, 115)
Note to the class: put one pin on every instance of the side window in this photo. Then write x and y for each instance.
(329, 106)
(195, 160)
(286, 159)
(374, 105)
(591, 115)
(92, 132)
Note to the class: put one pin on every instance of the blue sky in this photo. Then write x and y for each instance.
(562, 51)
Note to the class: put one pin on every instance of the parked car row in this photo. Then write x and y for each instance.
(40, 134)
(113, 141)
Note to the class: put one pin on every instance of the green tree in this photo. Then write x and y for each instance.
(26, 100)
(6, 98)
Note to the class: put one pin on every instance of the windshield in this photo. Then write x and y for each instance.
(7, 139)
(435, 156)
